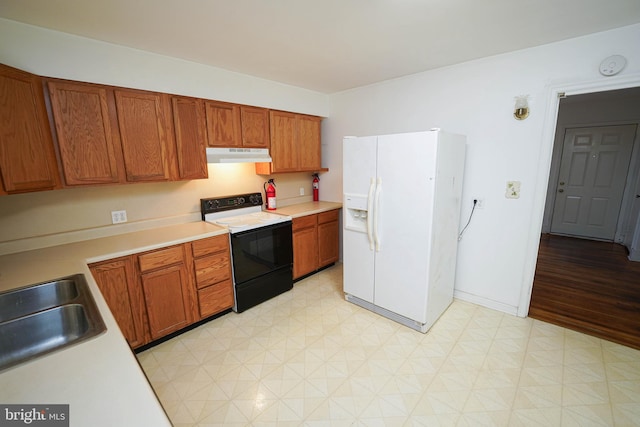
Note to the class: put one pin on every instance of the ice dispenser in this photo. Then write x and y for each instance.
(356, 212)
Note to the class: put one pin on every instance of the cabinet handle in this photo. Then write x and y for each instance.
(561, 191)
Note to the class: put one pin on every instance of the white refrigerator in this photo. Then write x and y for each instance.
(401, 217)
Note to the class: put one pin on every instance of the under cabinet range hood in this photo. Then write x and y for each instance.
(238, 155)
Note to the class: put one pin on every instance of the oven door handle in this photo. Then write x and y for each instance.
(376, 215)
(372, 187)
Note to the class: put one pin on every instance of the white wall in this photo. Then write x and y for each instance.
(477, 99)
(55, 54)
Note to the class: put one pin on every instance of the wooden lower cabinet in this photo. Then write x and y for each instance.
(212, 266)
(328, 237)
(305, 245)
(168, 290)
(118, 282)
(315, 242)
(156, 293)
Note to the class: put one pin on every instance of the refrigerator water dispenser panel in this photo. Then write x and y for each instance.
(355, 212)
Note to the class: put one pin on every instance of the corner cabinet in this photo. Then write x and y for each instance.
(118, 282)
(27, 156)
(315, 242)
(295, 144)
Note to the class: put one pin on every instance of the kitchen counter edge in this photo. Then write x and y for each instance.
(308, 208)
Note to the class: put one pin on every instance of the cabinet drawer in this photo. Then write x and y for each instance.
(215, 298)
(212, 269)
(161, 258)
(304, 222)
(328, 216)
(210, 245)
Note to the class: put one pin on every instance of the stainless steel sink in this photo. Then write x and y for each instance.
(42, 318)
(24, 301)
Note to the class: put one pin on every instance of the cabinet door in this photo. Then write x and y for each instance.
(167, 300)
(328, 238)
(308, 143)
(120, 289)
(191, 137)
(305, 245)
(284, 151)
(147, 144)
(223, 124)
(27, 158)
(85, 131)
(255, 127)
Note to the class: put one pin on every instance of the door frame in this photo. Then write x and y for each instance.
(554, 93)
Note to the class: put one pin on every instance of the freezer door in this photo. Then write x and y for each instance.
(406, 171)
(359, 167)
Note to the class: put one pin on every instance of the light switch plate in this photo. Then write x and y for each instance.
(513, 190)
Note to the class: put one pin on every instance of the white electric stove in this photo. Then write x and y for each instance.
(261, 247)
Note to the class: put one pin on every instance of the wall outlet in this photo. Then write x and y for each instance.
(118, 217)
(479, 202)
(302, 191)
(513, 190)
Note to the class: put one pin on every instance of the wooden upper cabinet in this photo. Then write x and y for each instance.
(146, 134)
(27, 157)
(308, 143)
(86, 131)
(255, 127)
(295, 143)
(191, 137)
(284, 150)
(223, 124)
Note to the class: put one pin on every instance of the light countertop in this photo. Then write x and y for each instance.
(99, 378)
(308, 208)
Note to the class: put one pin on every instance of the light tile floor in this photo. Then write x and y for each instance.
(308, 357)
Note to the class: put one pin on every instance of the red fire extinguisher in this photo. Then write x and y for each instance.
(316, 187)
(270, 192)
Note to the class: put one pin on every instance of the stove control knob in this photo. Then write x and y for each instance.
(241, 200)
(252, 200)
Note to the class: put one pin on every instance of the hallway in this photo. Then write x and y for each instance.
(588, 286)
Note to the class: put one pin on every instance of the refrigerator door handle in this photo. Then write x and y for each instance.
(372, 187)
(376, 210)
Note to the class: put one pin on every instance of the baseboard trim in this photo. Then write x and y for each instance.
(485, 302)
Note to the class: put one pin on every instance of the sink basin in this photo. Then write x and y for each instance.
(24, 301)
(46, 317)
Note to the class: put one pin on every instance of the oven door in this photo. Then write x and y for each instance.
(261, 251)
(262, 264)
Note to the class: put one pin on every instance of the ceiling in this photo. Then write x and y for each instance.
(326, 45)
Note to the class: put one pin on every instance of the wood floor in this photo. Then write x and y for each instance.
(588, 286)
